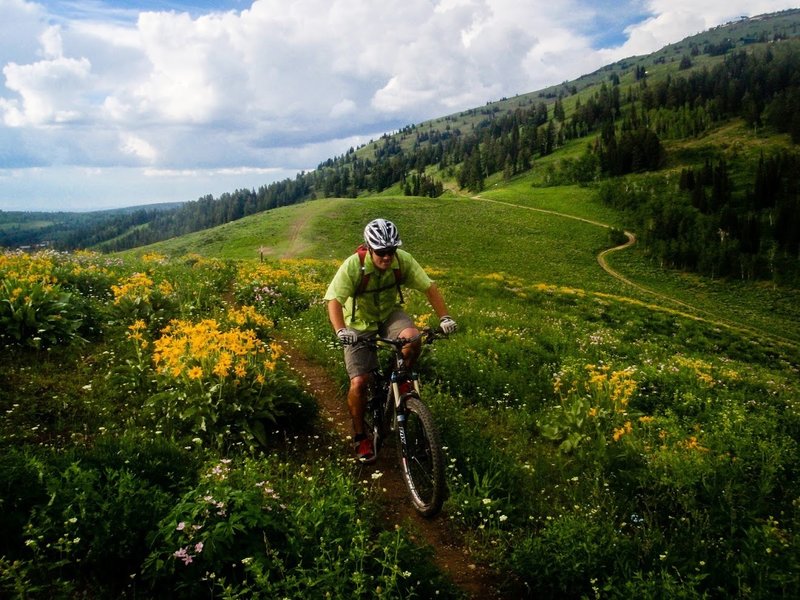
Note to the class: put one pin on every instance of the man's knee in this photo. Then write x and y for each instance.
(409, 332)
(358, 384)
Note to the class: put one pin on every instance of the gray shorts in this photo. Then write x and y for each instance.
(358, 359)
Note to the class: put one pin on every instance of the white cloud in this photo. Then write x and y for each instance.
(289, 84)
(21, 23)
(51, 42)
(51, 91)
(136, 146)
(343, 108)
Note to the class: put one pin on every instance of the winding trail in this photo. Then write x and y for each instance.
(692, 312)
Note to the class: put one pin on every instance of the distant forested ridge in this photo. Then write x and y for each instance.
(704, 222)
(628, 112)
(72, 230)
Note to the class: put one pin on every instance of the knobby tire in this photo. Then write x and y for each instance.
(422, 464)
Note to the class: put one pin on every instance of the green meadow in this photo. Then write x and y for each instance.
(604, 439)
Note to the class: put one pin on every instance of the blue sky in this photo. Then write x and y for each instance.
(116, 103)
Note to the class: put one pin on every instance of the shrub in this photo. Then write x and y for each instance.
(140, 296)
(569, 556)
(21, 488)
(36, 314)
(593, 408)
(93, 530)
(218, 382)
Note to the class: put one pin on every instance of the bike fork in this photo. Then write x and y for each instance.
(401, 431)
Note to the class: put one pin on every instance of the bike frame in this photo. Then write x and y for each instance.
(395, 375)
(394, 404)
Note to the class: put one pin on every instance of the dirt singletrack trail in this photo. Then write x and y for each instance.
(449, 553)
(295, 244)
(685, 309)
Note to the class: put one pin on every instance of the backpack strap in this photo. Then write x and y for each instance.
(362, 252)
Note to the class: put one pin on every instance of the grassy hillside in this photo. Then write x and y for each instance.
(517, 234)
(598, 435)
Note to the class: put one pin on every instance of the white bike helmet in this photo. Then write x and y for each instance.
(381, 233)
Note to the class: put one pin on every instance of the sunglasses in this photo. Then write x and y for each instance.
(385, 251)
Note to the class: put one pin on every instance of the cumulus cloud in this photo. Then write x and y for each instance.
(270, 85)
(51, 91)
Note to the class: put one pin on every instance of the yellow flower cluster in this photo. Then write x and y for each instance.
(511, 284)
(700, 368)
(435, 272)
(248, 316)
(154, 257)
(78, 269)
(611, 388)
(166, 288)
(692, 444)
(198, 261)
(136, 333)
(620, 431)
(203, 351)
(28, 269)
(136, 286)
(304, 274)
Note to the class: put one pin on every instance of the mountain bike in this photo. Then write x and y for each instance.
(394, 405)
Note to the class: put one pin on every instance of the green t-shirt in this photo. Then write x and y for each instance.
(374, 307)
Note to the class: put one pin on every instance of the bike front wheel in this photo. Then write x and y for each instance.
(421, 458)
(373, 422)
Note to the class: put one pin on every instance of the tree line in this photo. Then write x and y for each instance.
(705, 222)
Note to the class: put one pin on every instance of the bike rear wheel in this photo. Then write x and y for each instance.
(421, 459)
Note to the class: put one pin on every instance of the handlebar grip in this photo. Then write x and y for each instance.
(432, 334)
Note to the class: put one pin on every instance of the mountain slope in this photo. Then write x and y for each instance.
(498, 141)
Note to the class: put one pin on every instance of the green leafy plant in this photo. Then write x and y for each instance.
(94, 526)
(264, 528)
(36, 314)
(141, 296)
(216, 383)
(593, 408)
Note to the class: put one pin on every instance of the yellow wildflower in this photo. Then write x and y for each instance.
(241, 369)
(165, 287)
(620, 431)
(693, 444)
(223, 366)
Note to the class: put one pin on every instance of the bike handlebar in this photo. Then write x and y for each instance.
(428, 334)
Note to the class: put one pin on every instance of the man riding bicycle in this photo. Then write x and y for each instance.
(364, 301)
